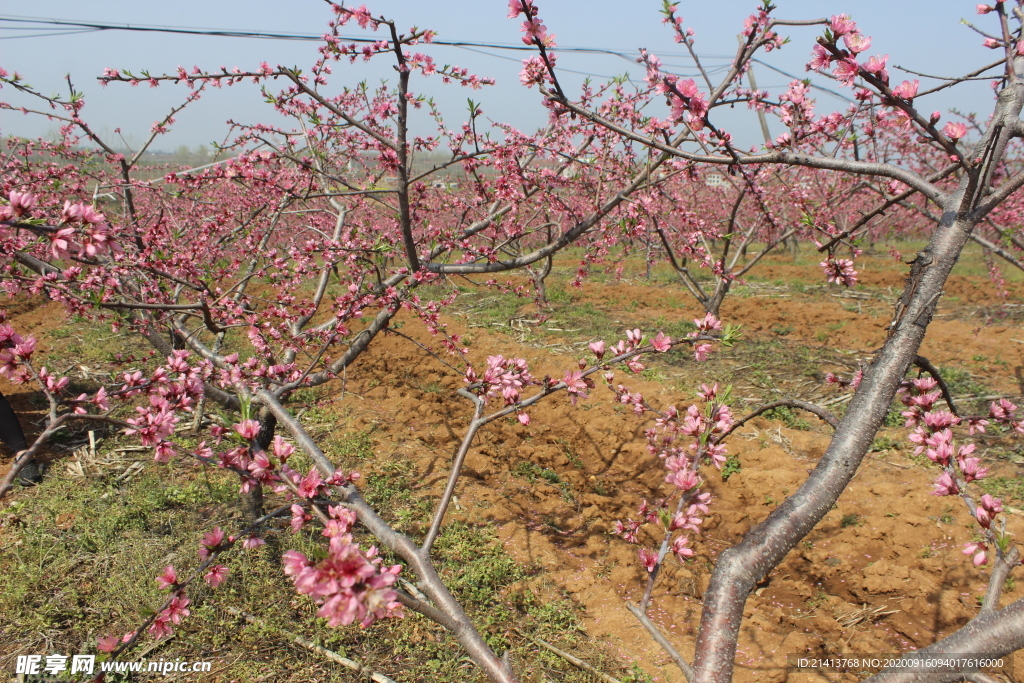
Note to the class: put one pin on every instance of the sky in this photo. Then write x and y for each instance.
(922, 35)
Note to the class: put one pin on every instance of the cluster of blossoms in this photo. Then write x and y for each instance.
(15, 364)
(840, 271)
(257, 466)
(77, 221)
(534, 32)
(933, 435)
(15, 353)
(171, 389)
(506, 377)
(349, 584)
(687, 102)
(683, 442)
(177, 607)
(846, 68)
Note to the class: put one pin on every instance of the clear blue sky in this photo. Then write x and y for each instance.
(924, 35)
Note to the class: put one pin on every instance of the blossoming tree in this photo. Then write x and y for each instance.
(271, 272)
(971, 182)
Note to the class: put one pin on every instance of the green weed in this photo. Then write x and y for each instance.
(788, 416)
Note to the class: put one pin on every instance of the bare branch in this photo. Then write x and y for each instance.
(660, 638)
(825, 415)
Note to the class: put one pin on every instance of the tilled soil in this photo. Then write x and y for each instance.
(882, 572)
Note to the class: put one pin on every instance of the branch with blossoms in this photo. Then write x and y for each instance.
(74, 122)
(932, 435)
(691, 109)
(161, 622)
(965, 198)
(16, 366)
(507, 378)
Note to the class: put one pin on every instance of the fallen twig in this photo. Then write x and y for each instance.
(313, 647)
(575, 661)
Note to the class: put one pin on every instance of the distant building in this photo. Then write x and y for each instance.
(439, 184)
(715, 180)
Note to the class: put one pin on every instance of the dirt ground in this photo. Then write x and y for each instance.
(882, 573)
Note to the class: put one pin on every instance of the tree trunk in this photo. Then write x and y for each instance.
(252, 500)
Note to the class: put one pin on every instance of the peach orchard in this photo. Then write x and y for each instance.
(273, 270)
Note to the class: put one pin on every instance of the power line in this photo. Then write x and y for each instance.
(90, 27)
(269, 35)
(66, 32)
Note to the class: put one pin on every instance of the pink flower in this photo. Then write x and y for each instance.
(253, 541)
(216, 576)
(684, 479)
(846, 70)
(820, 58)
(161, 626)
(976, 425)
(857, 42)
(107, 643)
(1002, 410)
(299, 518)
(247, 428)
(212, 540)
(945, 486)
(839, 271)
(907, 90)
(168, 578)
(707, 393)
(701, 352)
(648, 558)
(282, 449)
(517, 7)
(984, 9)
(21, 203)
(972, 469)
(598, 348)
(708, 323)
(842, 24)
(662, 342)
(876, 66)
(576, 385)
(310, 484)
(978, 550)
(523, 418)
(680, 549)
(941, 420)
(535, 70)
(954, 131)
(177, 609)
(991, 504)
(992, 43)
(294, 562)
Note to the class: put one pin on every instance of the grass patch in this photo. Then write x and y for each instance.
(882, 444)
(79, 558)
(732, 466)
(532, 472)
(788, 416)
(851, 519)
(1010, 489)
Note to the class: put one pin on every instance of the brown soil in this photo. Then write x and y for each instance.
(889, 545)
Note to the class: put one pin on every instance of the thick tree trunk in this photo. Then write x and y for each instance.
(252, 500)
(741, 567)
